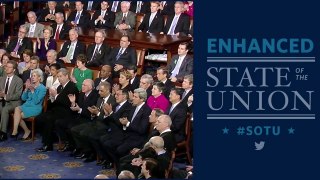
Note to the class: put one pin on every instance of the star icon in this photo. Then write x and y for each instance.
(291, 130)
(225, 130)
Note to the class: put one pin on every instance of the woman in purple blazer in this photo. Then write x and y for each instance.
(45, 44)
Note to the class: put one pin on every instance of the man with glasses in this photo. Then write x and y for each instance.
(17, 45)
(103, 18)
(97, 52)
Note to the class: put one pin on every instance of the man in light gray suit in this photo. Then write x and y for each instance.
(35, 28)
(125, 19)
(10, 91)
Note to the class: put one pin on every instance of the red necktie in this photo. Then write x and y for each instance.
(57, 33)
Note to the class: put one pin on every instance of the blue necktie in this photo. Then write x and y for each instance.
(119, 54)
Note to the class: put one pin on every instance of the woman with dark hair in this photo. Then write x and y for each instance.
(33, 95)
(4, 59)
(25, 64)
(45, 44)
(52, 80)
(81, 72)
(158, 100)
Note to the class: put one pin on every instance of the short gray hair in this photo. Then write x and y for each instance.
(142, 93)
(64, 71)
(147, 77)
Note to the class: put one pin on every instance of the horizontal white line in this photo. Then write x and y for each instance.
(215, 115)
(261, 117)
(260, 60)
(257, 57)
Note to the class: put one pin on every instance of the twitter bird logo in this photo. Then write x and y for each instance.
(259, 146)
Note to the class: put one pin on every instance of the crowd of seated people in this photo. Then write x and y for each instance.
(130, 121)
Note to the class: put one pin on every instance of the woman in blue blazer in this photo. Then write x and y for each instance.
(33, 95)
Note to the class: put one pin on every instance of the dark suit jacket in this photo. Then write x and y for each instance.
(169, 141)
(178, 117)
(62, 104)
(168, 86)
(182, 26)
(185, 99)
(111, 101)
(26, 44)
(25, 75)
(114, 133)
(80, 48)
(64, 31)
(84, 103)
(138, 128)
(135, 84)
(102, 53)
(185, 68)
(127, 58)
(168, 8)
(46, 11)
(108, 17)
(156, 25)
(130, 20)
(84, 18)
(145, 7)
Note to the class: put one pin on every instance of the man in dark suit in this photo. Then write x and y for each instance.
(71, 49)
(140, 7)
(87, 98)
(136, 125)
(135, 80)
(34, 64)
(152, 21)
(60, 29)
(97, 52)
(103, 18)
(162, 76)
(179, 23)
(123, 56)
(146, 82)
(178, 114)
(60, 109)
(48, 14)
(187, 85)
(17, 45)
(11, 88)
(93, 128)
(79, 17)
(167, 7)
(113, 135)
(125, 19)
(105, 76)
(163, 123)
(181, 64)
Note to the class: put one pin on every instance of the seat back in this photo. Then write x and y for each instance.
(140, 60)
(169, 170)
(139, 19)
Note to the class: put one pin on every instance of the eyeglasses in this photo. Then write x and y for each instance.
(22, 32)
